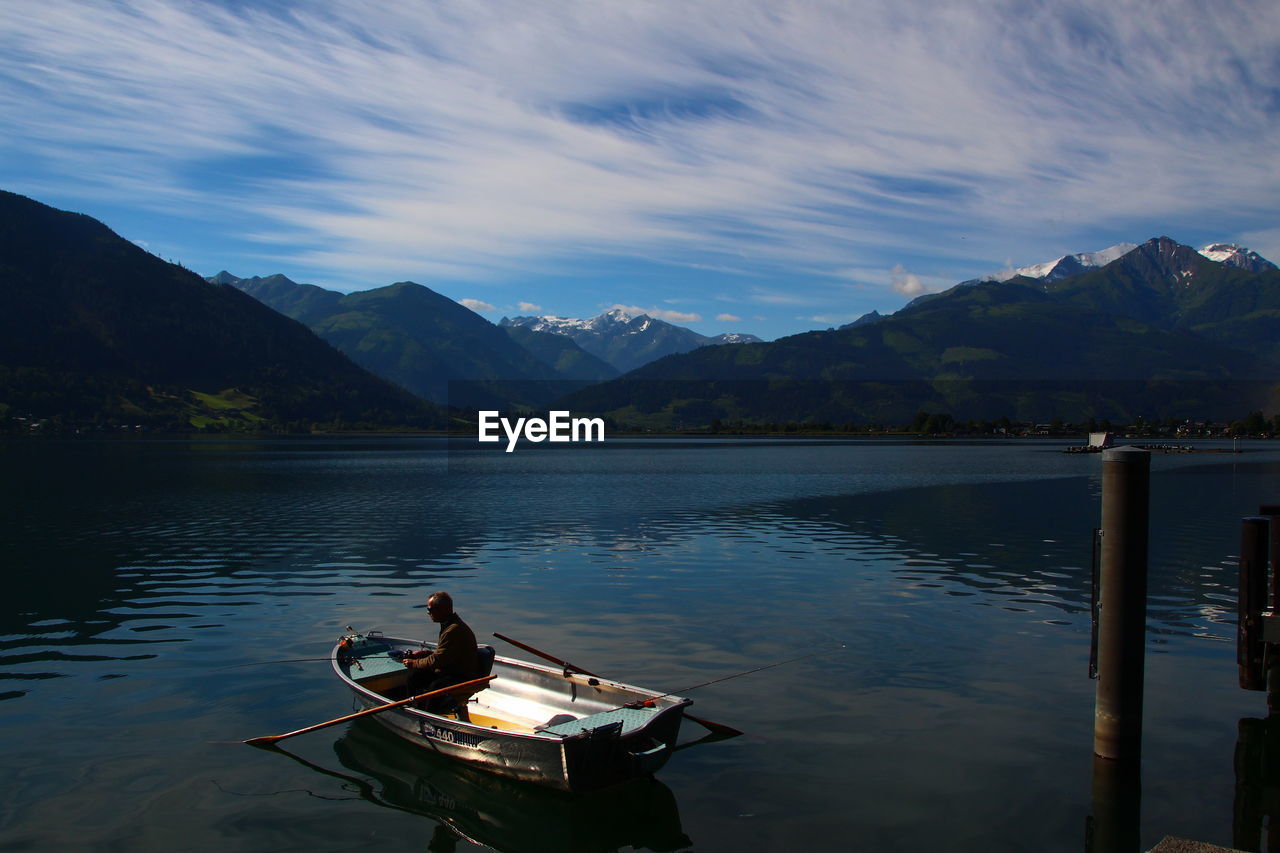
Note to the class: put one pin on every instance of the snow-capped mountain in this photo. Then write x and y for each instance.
(1237, 256)
(1232, 254)
(617, 321)
(1067, 264)
(626, 340)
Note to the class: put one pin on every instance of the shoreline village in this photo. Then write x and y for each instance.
(559, 426)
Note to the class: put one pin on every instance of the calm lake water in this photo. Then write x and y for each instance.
(958, 714)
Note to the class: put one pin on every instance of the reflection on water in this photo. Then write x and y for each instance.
(503, 814)
(958, 575)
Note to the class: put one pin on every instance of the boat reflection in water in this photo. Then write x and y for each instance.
(503, 814)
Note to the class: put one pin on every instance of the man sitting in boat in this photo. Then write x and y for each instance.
(454, 660)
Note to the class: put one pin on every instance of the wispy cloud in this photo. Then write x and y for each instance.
(471, 139)
(662, 314)
(528, 307)
(727, 318)
(476, 305)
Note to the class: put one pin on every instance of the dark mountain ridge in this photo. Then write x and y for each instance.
(1172, 286)
(1133, 337)
(560, 352)
(96, 327)
(411, 335)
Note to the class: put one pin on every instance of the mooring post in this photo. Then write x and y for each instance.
(1116, 823)
(1122, 619)
(1271, 611)
(1272, 511)
(1252, 599)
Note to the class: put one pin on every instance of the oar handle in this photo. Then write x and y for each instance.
(267, 740)
(552, 658)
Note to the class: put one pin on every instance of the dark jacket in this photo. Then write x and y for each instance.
(455, 653)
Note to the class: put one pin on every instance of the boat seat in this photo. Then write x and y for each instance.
(629, 720)
(484, 667)
(484, 660)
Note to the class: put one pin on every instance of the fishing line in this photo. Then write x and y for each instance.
(265, 662)
(748, 672)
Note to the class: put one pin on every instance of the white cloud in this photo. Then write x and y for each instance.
(471, 139)
(907, 283)
(476, 305)
(529, 308)
(660, 313)
(727, 318)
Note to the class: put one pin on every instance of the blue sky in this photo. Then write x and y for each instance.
(768, 167)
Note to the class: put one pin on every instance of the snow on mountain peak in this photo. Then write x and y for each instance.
(1237, 256)
(1068, 264)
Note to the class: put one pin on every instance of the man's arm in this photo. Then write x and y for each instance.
(447, 653)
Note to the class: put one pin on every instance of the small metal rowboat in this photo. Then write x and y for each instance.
(552, 727)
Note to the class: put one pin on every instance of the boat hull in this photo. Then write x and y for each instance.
(533, 723)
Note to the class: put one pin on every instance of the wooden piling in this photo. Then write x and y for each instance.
(1252, 600)
(1272, 511)
(1122, 621)
(1115, 825)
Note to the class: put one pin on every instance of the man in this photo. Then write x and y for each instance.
(453, 661)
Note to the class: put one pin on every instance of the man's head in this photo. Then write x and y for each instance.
(439, 606)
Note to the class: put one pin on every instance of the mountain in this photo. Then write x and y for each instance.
(869, 317)
(1143, 334)
(625, 340)
(731, 338)
(559, 352)
(413, 336)
(1068, 265)
(1237, 256)
(96, 330)
(1172, 286)
(303, 302)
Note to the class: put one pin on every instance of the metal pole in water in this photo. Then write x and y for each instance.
(1122, 621)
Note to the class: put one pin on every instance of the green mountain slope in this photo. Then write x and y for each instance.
(1172, 286)
(413, 336)
(981, 351)
(569, 360)
(95, 329)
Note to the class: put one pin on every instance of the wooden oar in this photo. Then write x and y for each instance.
(717, 728)
(267, 740)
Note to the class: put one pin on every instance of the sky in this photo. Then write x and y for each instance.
(767, 167)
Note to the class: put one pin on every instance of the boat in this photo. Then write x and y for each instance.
(554, 727)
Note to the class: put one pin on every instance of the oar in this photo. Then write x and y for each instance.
(267, 740)
(717, 728)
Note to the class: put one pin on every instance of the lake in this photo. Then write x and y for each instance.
(940, 590)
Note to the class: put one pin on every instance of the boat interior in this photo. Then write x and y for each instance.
(524, 698)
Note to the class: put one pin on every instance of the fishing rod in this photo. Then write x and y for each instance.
(344, 642)
(265, 662)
